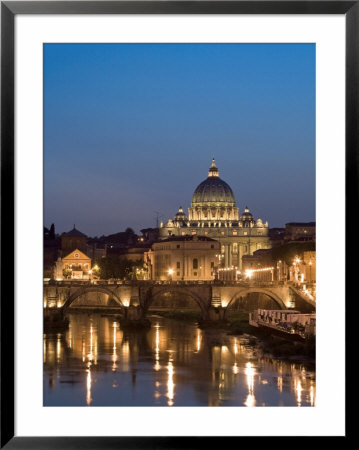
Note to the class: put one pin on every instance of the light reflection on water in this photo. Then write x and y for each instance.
(95, 363)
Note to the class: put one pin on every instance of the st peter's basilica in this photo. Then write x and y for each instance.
(215, 214)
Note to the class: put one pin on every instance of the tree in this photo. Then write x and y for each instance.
(288, 252)
(67, 273)
(52, 232)
(113, 267)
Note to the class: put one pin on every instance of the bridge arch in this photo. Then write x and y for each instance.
(85, 289)
(243, 292)
(185, 291)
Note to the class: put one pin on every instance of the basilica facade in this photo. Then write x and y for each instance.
(214, 213)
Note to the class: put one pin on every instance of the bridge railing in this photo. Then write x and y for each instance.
(113, 282)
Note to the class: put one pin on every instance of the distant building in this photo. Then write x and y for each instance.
(72, 240)
(276, 236)
(259, 260)
(134, 254)
(303, 270)
(96, 250)
(183, 258)
(309, 266)
(300, 231)
(76, 265)
(259, 266)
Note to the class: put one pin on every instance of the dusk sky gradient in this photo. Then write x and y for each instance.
(130, 130)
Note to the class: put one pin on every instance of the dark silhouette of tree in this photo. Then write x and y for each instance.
(118, 268)
(288, 252)
(52, 232)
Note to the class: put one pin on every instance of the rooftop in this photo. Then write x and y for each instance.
(74, 233)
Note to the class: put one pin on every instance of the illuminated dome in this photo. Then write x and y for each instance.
(213, 191)
(248, 216)
(180, 218)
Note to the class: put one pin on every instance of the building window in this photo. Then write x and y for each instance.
(178, 274)
(222, 249)
(178, 265)
(212, 246)
(178, 246)
(195, 263)
(212, 264)
(76, 255)
(195, 274)
(234, 233)
(235, 248)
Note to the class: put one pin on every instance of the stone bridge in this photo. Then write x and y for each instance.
(137, 296)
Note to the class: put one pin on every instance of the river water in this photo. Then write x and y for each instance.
(95, 363)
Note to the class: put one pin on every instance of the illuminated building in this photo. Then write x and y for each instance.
(259, 265)
(183, 258)
(303, 270)
(299, 231)
(309, 266)
(214, 214)
(75, 265)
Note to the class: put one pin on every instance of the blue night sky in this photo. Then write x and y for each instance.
(130, 130)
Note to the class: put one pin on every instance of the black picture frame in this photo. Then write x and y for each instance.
(9, 9)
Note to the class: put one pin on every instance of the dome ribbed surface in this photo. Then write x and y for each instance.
(213, 190)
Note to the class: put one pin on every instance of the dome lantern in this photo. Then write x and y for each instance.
(213, 170)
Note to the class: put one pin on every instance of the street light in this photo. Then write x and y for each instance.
(295, 264)
(170, 273)
(249, 273)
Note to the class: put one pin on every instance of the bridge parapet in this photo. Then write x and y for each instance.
(139, 293)
(114, 283)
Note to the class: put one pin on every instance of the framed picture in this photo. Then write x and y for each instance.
(128, 316)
